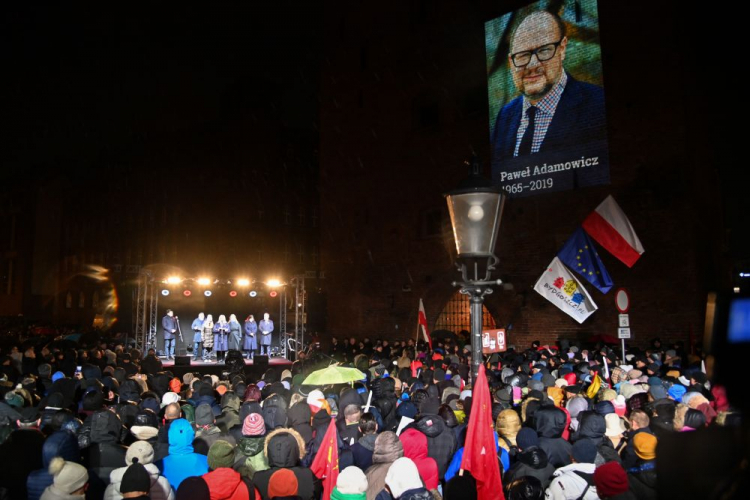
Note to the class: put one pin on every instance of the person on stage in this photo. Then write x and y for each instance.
(266, 329)
(208, 338)
(169, 325)
(235, 333)
(198, 336)
(221, 332)
(251, 342)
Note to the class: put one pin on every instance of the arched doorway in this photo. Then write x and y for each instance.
(456, 316)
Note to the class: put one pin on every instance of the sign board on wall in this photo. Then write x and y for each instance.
(493, 341)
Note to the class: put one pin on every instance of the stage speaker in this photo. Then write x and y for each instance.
(182, 360)
(260, 361)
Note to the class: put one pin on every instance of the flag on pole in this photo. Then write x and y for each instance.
(422, 324)
(325, 466)
(609, 226)
(480, 450)
(593, 389)
(558, 285)
(579, 254)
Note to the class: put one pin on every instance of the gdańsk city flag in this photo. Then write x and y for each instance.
(558, 285)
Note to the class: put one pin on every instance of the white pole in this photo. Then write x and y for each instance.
(623, 350)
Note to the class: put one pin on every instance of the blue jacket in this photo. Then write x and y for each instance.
(182, 461)
(455, 464)
(60, 444)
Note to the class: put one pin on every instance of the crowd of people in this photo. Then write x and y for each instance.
(569, 423)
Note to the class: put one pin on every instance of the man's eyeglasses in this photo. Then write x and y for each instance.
(543, 53)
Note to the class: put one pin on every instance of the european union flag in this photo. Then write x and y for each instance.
(579, 254)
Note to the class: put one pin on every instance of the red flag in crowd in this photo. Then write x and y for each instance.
(326, 463)
(422, 324)
(480, 451)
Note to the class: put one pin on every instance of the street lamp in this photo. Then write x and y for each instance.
(476, 207)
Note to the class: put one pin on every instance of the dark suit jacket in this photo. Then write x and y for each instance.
(579, 122)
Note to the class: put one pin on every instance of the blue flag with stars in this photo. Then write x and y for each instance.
(579, 254)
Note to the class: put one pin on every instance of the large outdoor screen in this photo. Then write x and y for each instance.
(546, 95)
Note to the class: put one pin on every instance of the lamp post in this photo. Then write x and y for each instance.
(476, 207)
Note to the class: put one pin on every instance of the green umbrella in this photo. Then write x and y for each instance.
(334, 374)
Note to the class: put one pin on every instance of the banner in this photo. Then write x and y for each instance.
(558, 285)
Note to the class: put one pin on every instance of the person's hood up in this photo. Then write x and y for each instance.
(299, 414)
(590, 426)
(106, 427)
(160, 384)
(251, 445)
(60, 444)
(284, 448)
(249, 407)
(415, 444)
(431, 425)
(223, 483)
(383, 388)
(181, 436)
(348, 397)
(534, 457)
(387, 449)
(274, 412)
(230, 401)
(549, 422)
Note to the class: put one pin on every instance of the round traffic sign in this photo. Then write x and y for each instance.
(622, 300)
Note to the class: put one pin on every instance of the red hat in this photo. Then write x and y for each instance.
(283, 483)
(610, 480)
(175, 385)
(570, 378)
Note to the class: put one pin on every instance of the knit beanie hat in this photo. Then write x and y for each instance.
(527, 438)
(193, 488)
(315, 400)
(175, 385)
(140, 450)
(283, 483)
(610, 480)
(352, 481)
(57, 376)
(204, 415)
(254, 425)
(676, 392)
(221, 454)
(584, 451)
(645, 445)
(67, 476)
(136, 478)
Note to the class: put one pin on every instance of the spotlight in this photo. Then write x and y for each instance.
(253, 293)
(273, 283)
(165, 292)
(204, 281)
(207, 293)
(187, 293)
(233, 293)
(273, 293)
(243, 282)
(174, 280)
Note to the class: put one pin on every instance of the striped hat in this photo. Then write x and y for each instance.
(254, 425)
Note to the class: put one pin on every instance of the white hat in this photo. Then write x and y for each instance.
(402, 476)
(352, 481)
(67, 476)
(615, 426)
(169, 398)
(142, 450)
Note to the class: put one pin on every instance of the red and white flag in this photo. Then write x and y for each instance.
(609, 226)
(422, 324)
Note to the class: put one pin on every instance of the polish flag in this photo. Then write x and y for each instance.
(609, 226)
(422, 324)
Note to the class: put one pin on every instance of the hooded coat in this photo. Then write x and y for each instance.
(415, 448)
(385, 399)
(284, 448)
(441, 440)
(549, 426)
(182, 461)
(533, 462)
(105, 453)
(159, 490)
(388, 449)
(299, 417)
(230, 412)
(642, 479)
(227, 484)
(59, 444)
(249, 456)
(274, 412)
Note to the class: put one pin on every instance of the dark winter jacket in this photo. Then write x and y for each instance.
(205, 437)
(362, 451)
(274, 412)
(531, 462)
(642, 479)
(20, 454)
(629, 458)
(284, 448)
(441, 440)
(60, 444)
(230, 412)
(249, 457)
(299, 417)
(384, 399)
(105, 453)
(550, 424)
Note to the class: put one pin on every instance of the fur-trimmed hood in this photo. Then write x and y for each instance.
(284, 448)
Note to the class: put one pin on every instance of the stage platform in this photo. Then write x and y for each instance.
(252, 370)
